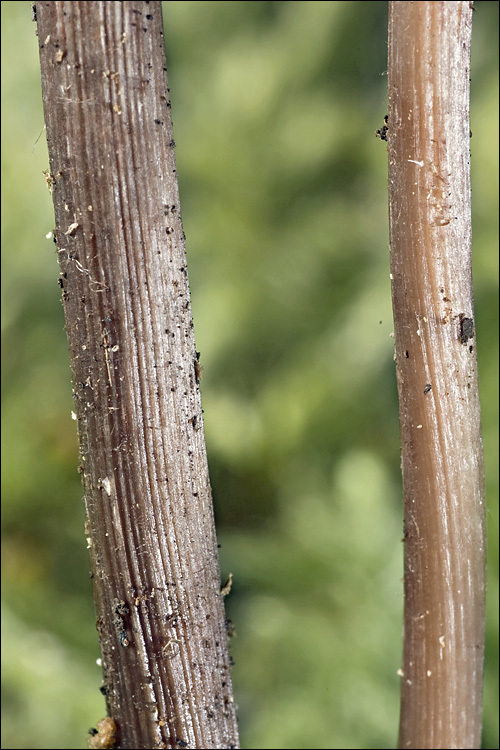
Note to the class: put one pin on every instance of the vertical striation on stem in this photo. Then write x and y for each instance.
(442, 457)
(120, 244)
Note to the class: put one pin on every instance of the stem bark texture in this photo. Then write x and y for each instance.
(442, 456)
(120, 243)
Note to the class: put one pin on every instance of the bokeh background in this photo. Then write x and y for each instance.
(284, 202)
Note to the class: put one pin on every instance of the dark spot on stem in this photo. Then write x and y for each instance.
(466, 328)
(382, 132)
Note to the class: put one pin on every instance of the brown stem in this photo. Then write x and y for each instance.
(442, 457)
(120, 244)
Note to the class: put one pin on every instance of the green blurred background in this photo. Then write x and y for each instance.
(284, 202)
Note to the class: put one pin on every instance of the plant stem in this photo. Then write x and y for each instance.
(442, 456)
(120, 244)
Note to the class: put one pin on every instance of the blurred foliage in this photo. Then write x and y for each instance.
(283, 188)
